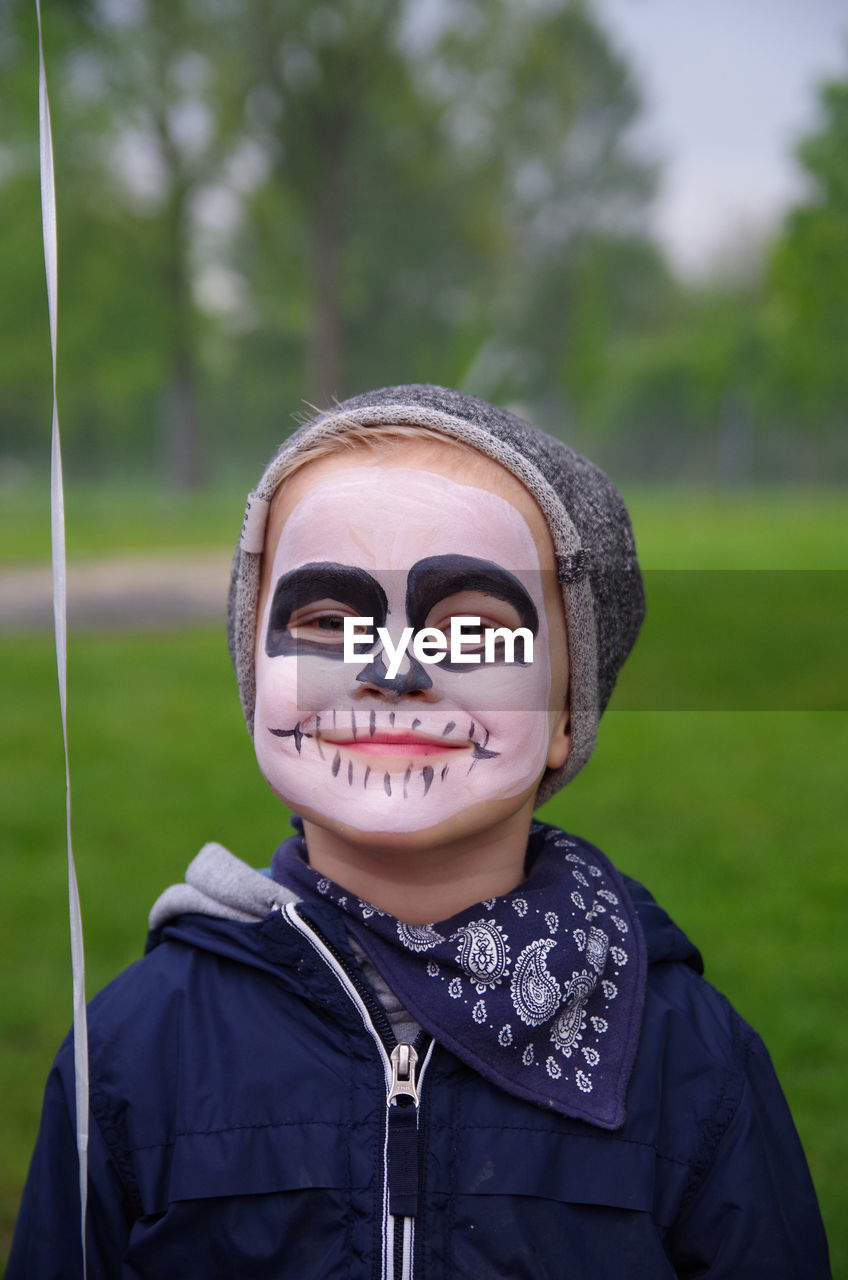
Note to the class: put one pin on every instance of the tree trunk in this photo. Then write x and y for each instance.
(184, 444)
(735, 445)
(184, 453)
(325, 339)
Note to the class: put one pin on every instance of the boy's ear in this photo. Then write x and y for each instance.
(559, 748)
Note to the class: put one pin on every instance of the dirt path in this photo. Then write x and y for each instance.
(132, 592)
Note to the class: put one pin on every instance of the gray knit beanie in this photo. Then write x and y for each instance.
(595, 553)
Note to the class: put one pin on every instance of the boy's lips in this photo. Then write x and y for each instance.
(389, 747)
(395, 744)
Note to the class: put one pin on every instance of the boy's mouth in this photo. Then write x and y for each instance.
(405, 744)
(390, 747)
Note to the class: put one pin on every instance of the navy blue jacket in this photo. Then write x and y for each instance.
(240, 1128)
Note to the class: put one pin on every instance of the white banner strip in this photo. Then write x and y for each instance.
(57, 508)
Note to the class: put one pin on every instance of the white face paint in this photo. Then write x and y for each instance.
(407, 547)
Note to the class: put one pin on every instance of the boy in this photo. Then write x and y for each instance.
(440, 1039)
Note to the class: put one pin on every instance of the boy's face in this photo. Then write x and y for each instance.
(429, 752)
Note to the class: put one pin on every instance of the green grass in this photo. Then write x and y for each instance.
(161, 762)
(740, 640)
(675, 528)
(735, 820)
(678, 528)
(111, 519)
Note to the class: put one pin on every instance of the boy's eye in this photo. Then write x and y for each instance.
(322, 621)
(491, 611)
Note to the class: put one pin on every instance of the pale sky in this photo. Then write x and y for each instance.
(729, 86)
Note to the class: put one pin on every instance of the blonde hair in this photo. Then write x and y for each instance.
(373, 438)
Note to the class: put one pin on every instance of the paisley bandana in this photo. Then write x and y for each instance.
(540, 990)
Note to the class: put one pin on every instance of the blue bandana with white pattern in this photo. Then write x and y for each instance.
(539, 990)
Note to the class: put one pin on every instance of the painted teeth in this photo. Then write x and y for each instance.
(479, 750)
(295, 733)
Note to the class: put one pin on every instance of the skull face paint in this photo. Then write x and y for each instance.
(430, 583)
(409, 548)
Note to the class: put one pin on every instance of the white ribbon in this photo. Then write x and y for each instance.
(60, 623)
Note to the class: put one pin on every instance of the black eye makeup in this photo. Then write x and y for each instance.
(473, 604)
(310, 604)
(491, 593)
(322, 622)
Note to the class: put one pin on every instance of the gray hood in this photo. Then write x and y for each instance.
(219, 884)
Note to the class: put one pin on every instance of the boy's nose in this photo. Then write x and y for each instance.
(412, 678)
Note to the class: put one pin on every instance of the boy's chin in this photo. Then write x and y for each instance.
(363, 831)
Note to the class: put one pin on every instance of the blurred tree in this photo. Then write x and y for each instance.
(540, 108)
(143, 123)
(749, 364)
(464, 185)
(357, 173)
(809, 277)
(257, 198)
(690, 393)
(24, 351)
(148, 90)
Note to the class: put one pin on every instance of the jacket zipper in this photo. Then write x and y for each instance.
(403, 1149)
(400, 1131)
